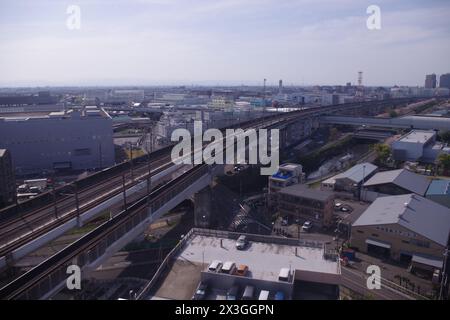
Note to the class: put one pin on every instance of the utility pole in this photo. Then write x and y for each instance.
(149, 178)
(444, 275)
(131, 160)
(77, 205)
(124, 192)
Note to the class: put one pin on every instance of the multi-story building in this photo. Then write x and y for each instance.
(430, 81)
(444, 81)
(77, 139)
(407, 228)
(287, 175)
(306, 204)
(282, 267)
(7, 181)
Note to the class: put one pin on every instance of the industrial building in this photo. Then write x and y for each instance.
(77, 139)
(351, 179)
(7, 180)
(406, 228)
(307, 204)
(394, 182)
(41, 98)
(418, 145)
(439, 191)
(211, 257)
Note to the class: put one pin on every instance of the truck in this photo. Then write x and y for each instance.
(38, 183)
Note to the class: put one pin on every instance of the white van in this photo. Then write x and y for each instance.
(228, 267)
(215, 266)
(285, 274)
(264, 295)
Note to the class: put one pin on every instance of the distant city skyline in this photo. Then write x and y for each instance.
(222, 42)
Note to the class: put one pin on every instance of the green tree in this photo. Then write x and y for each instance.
(393, 114)
(445, 136)
(383, 152)
(444, 162)
(334, 134)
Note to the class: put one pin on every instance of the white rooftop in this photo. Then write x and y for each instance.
(418, 136)
(264, 260)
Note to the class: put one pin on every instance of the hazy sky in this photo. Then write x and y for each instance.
(222, 41)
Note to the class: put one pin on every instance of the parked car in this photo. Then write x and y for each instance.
(200, 292)
(307, 226)
(232, 293)
(241, 270)
(264, 295)
(215, 266)
(338, 205)
(241, 242)
(228, 267)
(285, 275)
(345, 209)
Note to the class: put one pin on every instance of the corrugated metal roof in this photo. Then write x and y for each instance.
(439, 187)
(403, 178)
(428, 261)
(413, 212)
(357, 172)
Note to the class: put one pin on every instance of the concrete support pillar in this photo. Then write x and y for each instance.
(203, 207)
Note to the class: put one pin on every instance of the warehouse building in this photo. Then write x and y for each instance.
(407, 228)
(418, 145)
(307, 204)
(76, 139)
(394, 182)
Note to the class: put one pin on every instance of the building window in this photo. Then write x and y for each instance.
(82, 152)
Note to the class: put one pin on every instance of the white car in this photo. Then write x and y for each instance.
(241, 242)
(307, 226)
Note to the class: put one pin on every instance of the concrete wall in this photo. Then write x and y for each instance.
(226, 281)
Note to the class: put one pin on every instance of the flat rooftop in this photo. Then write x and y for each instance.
(418, 136)
(264, 260)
